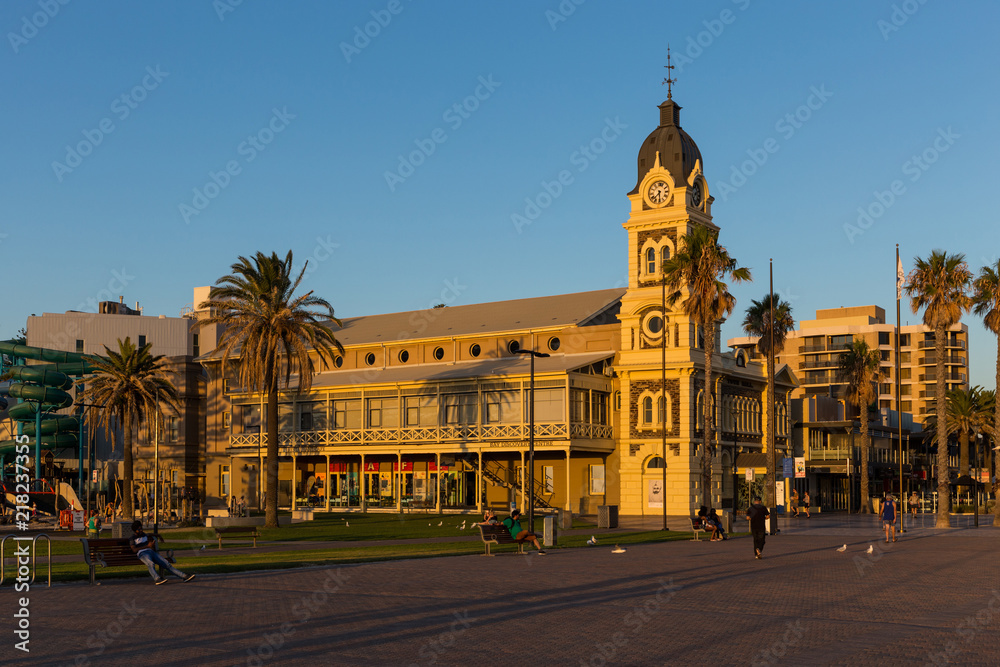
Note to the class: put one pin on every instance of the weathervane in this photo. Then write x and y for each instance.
(669, 81)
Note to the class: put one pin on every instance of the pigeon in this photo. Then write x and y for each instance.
(870, 549)
(202, 548)
(842, 549)
(618, 550)
(592, 541)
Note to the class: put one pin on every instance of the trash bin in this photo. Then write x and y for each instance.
(607, 516)
(550, 531)
(121, 529)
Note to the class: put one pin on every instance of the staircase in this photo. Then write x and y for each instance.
(498, 473)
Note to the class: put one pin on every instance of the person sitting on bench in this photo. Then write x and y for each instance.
(144, 547)
(513, 524)
(707, 524)
(489, 519)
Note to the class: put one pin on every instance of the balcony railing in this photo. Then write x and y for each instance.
(949, 377)
(831, 454)
(821, 347)
(931, 359)
(925, 344)
(820, 363)
(312, 441)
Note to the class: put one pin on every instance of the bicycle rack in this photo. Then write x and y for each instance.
(20, 538)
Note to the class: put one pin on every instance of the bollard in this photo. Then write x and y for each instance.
(550, 532)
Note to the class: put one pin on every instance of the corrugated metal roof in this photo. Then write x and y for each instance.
(480, 318)
(462, 370)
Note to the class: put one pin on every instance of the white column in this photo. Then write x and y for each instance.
(329, 483)
(295, 491)
(523, 481)
(569, 477)
(399, 482)
(361, 486)
(437, 484)
(480, 485)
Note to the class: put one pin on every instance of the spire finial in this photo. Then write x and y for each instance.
(669, 80)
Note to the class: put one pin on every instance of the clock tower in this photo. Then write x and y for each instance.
(670, 198)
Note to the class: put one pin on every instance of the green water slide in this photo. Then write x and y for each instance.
(43, 387)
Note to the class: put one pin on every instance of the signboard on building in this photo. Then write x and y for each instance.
(750, 474)
(655, 498)
(800, 467)
(788, 467)
(779, 491)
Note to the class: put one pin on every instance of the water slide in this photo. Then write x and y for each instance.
(45, 387)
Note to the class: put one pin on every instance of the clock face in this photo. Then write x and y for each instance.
(696, 193)
(658, 192)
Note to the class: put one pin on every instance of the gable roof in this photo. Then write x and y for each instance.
(481, 318)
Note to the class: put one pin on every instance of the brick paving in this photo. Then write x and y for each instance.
(931, 598)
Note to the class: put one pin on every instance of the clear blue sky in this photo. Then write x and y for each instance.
(329, 121)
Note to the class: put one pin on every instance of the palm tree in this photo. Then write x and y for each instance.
(965, 415)
(131, 385)
(271, 331)
(986, 304)
(938, 285)
(758, 322)
(861, 370)
(698, 270)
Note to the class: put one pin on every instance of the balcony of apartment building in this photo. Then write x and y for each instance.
(952, 376)
(828, 344)
(951, 359)
(949, 343)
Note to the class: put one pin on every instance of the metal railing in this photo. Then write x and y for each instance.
(34, 554)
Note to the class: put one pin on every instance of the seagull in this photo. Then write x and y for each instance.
(440, 523)
(870, 549)
(842, 549)
(462, 527)
(618, 550)
(347, 524)
(592, 541)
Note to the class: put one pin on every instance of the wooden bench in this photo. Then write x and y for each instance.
(497, 534)
(697, 527)
(107, 552)
(237, 531)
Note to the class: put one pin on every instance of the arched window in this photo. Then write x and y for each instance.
(647, 410)
(661, 410)
(656, 463)
(651, 261)
(664, 254)
(700, 410)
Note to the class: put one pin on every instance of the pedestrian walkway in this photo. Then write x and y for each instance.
(922, 600)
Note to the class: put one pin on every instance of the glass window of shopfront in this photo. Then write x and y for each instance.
(459, 408)
(502, 407)
(421, 411)
(347, 414)
(312, 416)
(550, 405)
(383, 412)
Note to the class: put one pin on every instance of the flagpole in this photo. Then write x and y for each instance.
(899, 411)
(771, 388)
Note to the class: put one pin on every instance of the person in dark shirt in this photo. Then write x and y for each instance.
(757, 516)
(144, 547)
(889, 518)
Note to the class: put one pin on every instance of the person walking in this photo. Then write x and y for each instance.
(914, 503)
(889, 517)
(757, 516)
(795, 502)
(805, 504)
(144, 547)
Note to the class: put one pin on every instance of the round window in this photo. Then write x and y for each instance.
(370, 358)
(338, 362)
(513, 346)
(554, 343)
(475, 350)
(652, 326)
(439, 353)
(404, 356)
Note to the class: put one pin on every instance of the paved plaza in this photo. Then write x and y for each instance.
(931, 598)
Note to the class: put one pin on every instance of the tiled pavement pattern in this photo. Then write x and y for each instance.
(932, 598)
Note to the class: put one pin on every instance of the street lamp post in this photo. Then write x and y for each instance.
(156, 466)
(531, 436)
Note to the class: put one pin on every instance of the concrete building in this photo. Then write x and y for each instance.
(813, 352)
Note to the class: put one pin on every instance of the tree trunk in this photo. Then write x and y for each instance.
(965, 444)
(271, 512)
(866, 500)
(706, 458)
(996, 441)
(943, 474)
(128, 509)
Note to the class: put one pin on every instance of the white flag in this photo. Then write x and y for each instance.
(899, 279)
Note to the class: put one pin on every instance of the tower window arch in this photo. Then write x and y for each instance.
(654, 410)
(651, 267)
